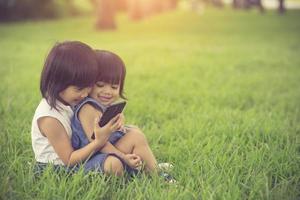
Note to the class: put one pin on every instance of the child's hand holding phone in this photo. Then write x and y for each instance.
(111, 111)
(121, 128)
(113, 125)
(113, 116)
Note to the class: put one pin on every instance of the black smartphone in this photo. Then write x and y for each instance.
(110, 113)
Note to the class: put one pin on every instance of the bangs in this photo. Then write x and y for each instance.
(111, 69)
(110, 74)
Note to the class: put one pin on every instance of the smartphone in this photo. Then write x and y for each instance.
(110, 113)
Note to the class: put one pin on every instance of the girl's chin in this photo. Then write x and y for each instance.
(105, 103)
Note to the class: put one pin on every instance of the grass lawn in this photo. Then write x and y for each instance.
(217, 94)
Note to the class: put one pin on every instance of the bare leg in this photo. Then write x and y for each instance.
(114, 166)
(134, 141)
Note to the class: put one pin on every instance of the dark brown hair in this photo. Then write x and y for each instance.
(68, 63)
(111, 69)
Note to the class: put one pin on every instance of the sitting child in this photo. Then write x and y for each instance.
(127, 148)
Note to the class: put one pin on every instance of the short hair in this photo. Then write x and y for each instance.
(68, 63)
(111, 69)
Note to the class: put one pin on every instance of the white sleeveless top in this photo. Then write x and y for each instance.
(43, 150)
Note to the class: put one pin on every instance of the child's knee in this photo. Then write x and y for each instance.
(113, 165)
(139, 135)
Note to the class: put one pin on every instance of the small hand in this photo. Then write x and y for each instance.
(133, 160)
(112, 126)
(122, 122)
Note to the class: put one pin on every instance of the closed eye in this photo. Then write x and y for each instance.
(100, 85)
(115, 87)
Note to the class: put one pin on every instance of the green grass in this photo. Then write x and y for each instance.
(216, 94)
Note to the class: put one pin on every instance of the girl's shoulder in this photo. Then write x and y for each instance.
(46, 116)
(88, 103)
(86, 108)
(89, 108)
(44, 109)
(43, 106)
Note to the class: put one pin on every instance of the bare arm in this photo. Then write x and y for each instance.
(86, 116)
(109, 148)
(58, 138)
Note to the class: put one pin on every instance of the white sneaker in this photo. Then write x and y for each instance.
(165, 166)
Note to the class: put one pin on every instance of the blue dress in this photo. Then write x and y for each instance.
(79, 140)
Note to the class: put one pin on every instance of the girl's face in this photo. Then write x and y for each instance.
(105, 93)
(72, 95)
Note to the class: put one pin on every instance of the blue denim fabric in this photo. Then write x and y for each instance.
(79, 140)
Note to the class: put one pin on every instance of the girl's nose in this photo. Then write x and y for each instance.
(106, 90)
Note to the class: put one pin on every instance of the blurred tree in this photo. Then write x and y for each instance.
(247, 4)
(217, 3)
(137, 9)
(11, 10)
(105, 10)
(255, 3)
(281, 7)
(236, 4)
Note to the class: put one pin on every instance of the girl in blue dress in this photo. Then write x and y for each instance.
(126, 149)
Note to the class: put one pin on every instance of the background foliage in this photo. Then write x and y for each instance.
(217, 94)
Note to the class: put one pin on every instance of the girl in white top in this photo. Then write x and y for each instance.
(69, 73)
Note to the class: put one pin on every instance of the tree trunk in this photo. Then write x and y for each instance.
(281, 8)
(105, 10)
